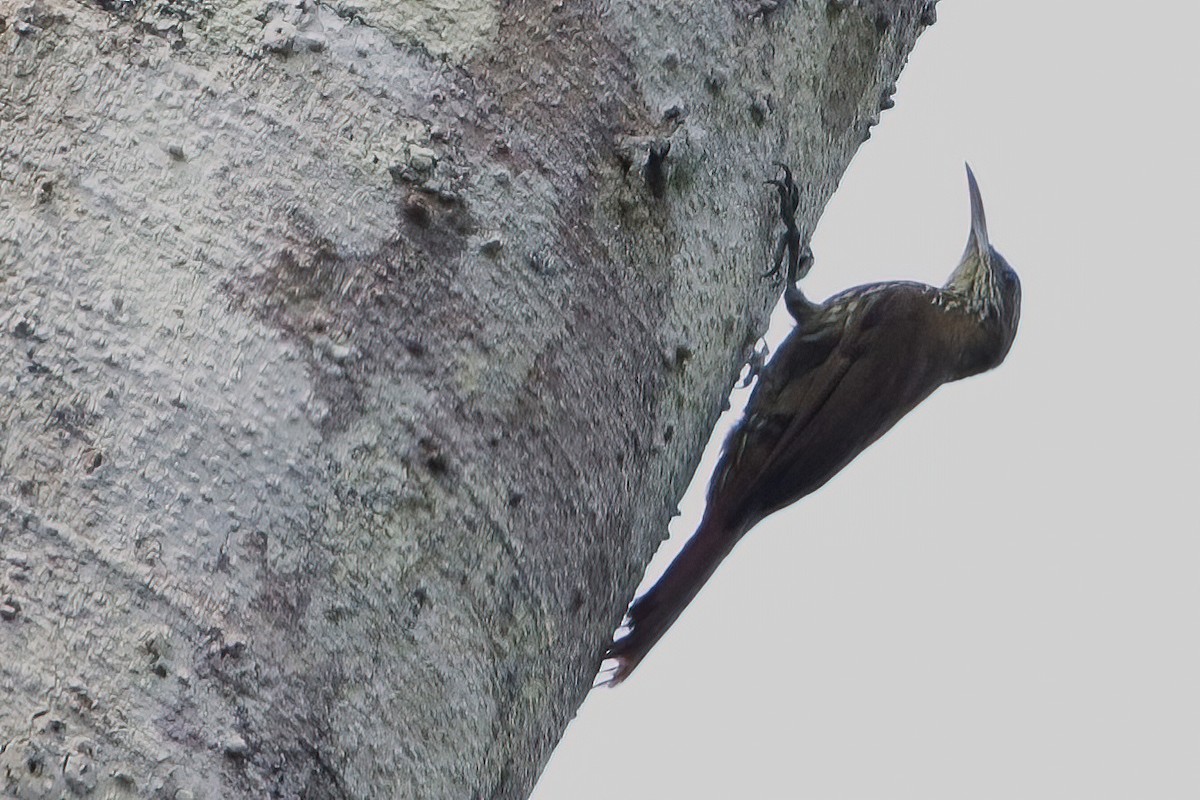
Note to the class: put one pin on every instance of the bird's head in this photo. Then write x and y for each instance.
(984, 280)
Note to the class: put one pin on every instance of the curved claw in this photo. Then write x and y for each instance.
(799, 258)
(789, 192)
(787, 181)
(789, 199)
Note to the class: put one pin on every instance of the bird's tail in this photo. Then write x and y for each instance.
(654, 612)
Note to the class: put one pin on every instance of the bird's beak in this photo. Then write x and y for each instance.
(977, 241)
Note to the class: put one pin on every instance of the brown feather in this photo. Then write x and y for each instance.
(848, 372)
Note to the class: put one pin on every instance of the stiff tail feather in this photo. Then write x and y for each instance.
(652, 614)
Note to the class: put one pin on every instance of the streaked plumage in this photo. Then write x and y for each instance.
(852, 367)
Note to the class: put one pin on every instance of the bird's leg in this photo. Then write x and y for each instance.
(777, 261)
(789, 240)
(800, 257)
(799, 306)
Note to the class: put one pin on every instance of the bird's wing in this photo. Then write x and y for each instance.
(795, 384)
(830, 392)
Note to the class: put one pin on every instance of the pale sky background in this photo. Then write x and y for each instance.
(1001, 598)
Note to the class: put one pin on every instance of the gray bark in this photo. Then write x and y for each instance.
(351, 367)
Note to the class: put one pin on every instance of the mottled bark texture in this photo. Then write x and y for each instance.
(353, 358)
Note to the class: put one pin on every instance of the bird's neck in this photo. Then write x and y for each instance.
(973, 287)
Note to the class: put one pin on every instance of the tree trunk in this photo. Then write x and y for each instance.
(354, 357)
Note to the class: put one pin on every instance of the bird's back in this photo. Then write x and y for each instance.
(838, 383)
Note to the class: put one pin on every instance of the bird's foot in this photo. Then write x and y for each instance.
(789, 195)
(790, 242)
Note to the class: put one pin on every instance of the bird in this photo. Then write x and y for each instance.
(848, 371)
